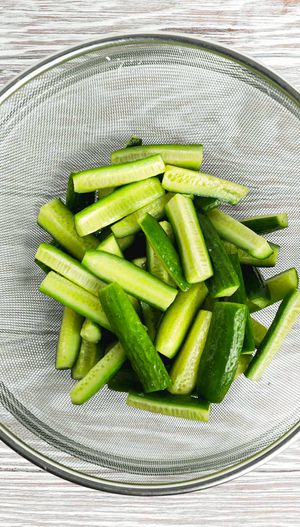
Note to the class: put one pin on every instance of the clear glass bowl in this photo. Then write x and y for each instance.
(68, 113)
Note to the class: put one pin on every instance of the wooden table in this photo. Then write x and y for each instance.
(268, 30)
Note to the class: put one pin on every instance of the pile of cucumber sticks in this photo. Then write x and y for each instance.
(158, 283)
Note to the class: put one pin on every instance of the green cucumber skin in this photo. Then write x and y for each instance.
(194, 255)
(203, 204)
(256, 288)
(134, 338)
(69, 339)
(267, 223)
(224, 281)
(110, 245)
(57, 220)
(186, 181)
(246, 259)
(90, 332)
(88, 356)
(164, 249)
(189, 156)
(151, 315)
(285, 318)
(178, 318)
(117, 205)
(182, 406)
(118, 175)
(134, 141)
(219, 360)
(76, 202)
(259, 331)
(98, 375)
(125, 381)
(235, 232)
(135, 281)
(279, 286)
(74, 297)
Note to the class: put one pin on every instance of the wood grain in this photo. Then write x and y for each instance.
(266, 29)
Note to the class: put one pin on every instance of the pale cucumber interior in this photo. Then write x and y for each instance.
(177, 406)
(91, 331)
(189, 156)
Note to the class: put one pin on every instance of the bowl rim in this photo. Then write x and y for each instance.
(121, 487)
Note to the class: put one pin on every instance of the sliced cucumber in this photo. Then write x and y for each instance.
(237, 233)
(125, 380)
(265, 224)
(185, 368)
(189, 156)
(281, 285)
(140, 262)
(151, 315)
(117, 205)
(219, 360)
(134, 338)
(88, 356)
(285, 318)
(206, 204)
(74, 297)
(91, 332)
(256, 288)
(75, 202)
(110, 245)
(246, 259)
(103, 192)
(154, 264)
(125, 242)
(56, 219)
(182, 406)
(259, 331)
(243, 364)
(190, 182)
(224, 281)
(135, 281)
(69, 339)
(130, 224)
(195, 258)
(99, 375)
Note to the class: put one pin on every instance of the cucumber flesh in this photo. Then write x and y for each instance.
(103, 192)
(91, 332)
(140, 262)
(125, 242)
(69, 339)
(279, 286)
(88, 356)
(76, 202)
(99, 375)
(190, 182)
(154, 263)
(110, 245)
(117, 205)
(151, 315)
(243, 364)
(203, 204)
(178, 318)
(189, 156)
(117, 175)
(259, 331)
(182, 406)
(237, 233)
(246, 259)
(284, 320)
(55, 218)
(266, 224)
(185, 368)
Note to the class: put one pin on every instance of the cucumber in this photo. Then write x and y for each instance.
(125, 380)
(256, 288)
(219, 360)
(117, 175)
(74, 297)
(190, 182)
(164, 249)
(75, 202)
(246, 259)
(55, 218)
(140, 262)
(117, 205)
(279, 286)
(68, 267)
(99, 375)
(125, 242)
(134, 141)
(189, 156)
(224, 281)
(134, 338)
(151, 315)
(203, 204)
(88, 356)
(135, 281)
(182, 406)
(130, 224)
(237, 233)
(178, 318)
(285, 318)
(243, 364)
(154, 263)
(259, 331)
(69, 339)
(195, 258)
(103, 192)
(185, 368)
(265, 224)
(91, 332)
(110, 245)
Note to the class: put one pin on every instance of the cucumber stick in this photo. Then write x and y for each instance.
(134, 338)
(266, 224)
(189, 156)
(154, 263)
(69, 339)
(279, 286)
(182, 406)
(76, 202)
(117, 205)
(237, 233)
(191, 182)
(246, 259)
(224, 281)
(185, 368)
(259, 331)
(55, 218)
(117, 175)
(125, 242)
(110, 245)
(88, 356)
(219, 360)
(98, 375)
(140, 262)
(203, 204)
(74, 297)
(164, 249)
(151, 315)
(135, 281)
(90, 332)
(195, 258)
(243, 364)
(178, 318)
(256, 287)
(284, 320)
(130, 224)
